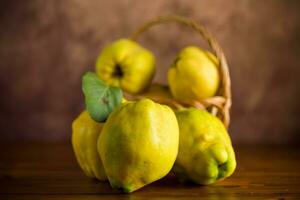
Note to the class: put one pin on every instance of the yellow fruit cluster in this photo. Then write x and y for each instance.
(142, 141)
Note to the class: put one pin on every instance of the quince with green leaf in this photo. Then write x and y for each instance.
(100, 100)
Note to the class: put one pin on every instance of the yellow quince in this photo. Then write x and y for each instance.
(194, 75)
(157, 91)
(126, 64)
(205, 152)
(138, 144)
(85, 133)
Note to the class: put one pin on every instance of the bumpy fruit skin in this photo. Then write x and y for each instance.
(194, 75)
(138, 144)
(205, 152)
(85, 133)
(126, 64)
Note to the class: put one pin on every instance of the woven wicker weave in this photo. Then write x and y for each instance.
(218, 105)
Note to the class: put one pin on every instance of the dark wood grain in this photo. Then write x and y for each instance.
(50, 171)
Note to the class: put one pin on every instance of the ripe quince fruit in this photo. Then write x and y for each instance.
(126, 64)
(85, 133)
(194, 75)
(138, 144)
(205, 152)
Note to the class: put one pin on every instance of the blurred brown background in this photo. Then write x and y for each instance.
(46, 46)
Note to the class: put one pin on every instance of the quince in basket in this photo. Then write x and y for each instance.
(157, 91)
(127, 65)
(194, 75)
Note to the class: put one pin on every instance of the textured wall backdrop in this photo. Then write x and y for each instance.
(46, 46)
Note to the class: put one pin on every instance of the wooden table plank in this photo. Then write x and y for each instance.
(50, 171)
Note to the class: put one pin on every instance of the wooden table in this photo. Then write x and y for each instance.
(50, 171)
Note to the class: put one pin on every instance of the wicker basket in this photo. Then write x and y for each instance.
(220, 104)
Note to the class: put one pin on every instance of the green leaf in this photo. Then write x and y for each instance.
(100, 98)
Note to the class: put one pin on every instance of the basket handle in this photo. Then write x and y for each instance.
(221, 102)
